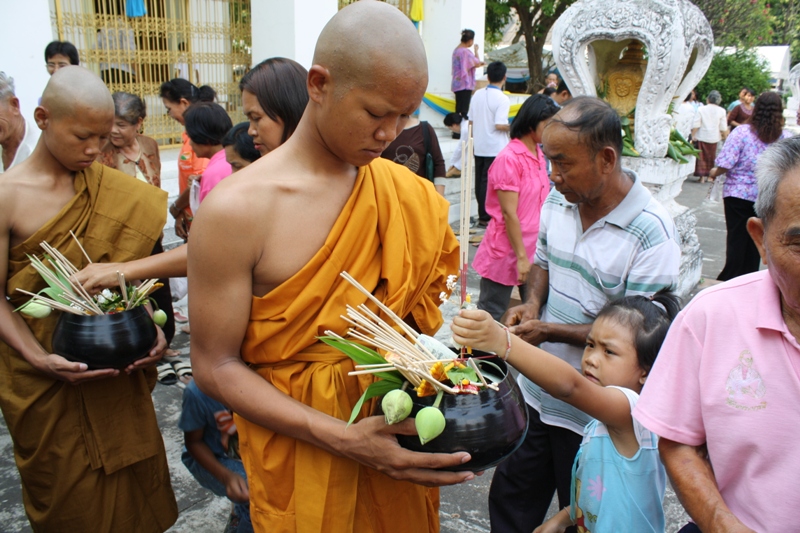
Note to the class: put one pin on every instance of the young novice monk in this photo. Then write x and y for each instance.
(86, 442)
(617, 480)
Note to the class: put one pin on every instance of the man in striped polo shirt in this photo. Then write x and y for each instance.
(602, 236)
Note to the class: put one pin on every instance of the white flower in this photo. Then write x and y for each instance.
(100, 298)
(107, 294)
(443, 297)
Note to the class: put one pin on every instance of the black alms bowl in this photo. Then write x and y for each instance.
(489, 425)
(105, 341)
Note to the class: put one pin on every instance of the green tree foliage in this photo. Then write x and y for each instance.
(728, 73)
(498, 14)
(536, 18)
(740, 23)
(785, 21)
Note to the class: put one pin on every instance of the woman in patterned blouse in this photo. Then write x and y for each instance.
(738, 160)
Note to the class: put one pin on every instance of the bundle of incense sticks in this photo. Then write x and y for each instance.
(412, 359)
(80, 302)
(467, 161)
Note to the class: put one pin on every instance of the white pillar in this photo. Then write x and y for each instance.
(289, 28)
(26, 32)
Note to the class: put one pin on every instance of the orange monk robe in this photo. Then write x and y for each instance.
(393, 237)
(90, 456)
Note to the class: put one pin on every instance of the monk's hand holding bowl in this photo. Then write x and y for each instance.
(372, 442)
(153, 357)
(60, 368)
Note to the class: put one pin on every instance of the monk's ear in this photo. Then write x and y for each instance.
(318, 83)
(756, 229)
(42, 117)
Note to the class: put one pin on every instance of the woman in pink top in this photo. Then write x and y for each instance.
(206, 125)
(518, 186)
(464, 64)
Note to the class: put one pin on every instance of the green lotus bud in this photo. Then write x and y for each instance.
(430, 423)
(160, 317)
(396, 406)
(36, 309)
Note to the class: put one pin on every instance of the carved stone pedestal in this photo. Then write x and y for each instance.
(664, 177)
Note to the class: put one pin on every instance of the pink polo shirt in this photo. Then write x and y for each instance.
(217, 170)
(728, 375)
(514, 169)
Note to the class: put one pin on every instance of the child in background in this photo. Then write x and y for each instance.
(618, 480)
(211, 453)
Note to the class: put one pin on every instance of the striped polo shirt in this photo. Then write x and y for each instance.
(632, 250)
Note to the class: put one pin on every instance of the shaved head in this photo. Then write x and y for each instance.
(368, 40)
(74, 90)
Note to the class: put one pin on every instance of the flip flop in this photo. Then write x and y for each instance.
(166, 374)
(183, 369)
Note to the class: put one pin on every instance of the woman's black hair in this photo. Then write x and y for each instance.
(64, 48)
(241, 141)
(467, 36)
(535, 109)
(176, 89)
(648, 319)
(279, 85)
(206, 123)
(767, 117)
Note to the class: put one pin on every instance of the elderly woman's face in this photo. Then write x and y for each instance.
(780, 245)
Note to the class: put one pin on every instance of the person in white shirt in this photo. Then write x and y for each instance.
(488, 114)
(710, 126)
(17, 137)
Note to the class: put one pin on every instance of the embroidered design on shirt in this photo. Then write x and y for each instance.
(406, 156)
(745, 387)
(596, 488)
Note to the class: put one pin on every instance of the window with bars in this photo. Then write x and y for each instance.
(136, 45)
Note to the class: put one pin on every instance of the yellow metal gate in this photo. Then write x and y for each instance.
(207, 42)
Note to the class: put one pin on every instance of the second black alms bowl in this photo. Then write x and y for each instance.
(105, 341)
(490, 426)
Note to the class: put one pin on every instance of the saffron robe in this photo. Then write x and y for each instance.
(393, 237)
(90, 456)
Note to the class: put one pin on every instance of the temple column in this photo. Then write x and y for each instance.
(289, 28)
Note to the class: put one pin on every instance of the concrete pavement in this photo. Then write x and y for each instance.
(463, 509)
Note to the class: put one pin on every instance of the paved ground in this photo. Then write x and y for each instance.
(463, 508)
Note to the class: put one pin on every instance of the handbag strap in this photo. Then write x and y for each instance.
(426, 137)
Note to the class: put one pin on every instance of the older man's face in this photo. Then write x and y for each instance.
(780, 242)
(9, 111)
(576, 171)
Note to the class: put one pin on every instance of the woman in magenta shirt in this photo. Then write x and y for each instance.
(518, 186)
(206, 125)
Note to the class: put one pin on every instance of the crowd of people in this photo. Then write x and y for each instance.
(333, 171)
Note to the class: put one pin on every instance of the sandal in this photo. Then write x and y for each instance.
(166, 374)
(183, 370)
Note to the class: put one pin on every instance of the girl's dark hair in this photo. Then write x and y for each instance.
(64, 48)
(767, 117)
(206, 123)
(176, 89)
(452, 119)
(749, 91)
(279, 85)
(241, 141)
(535, 109)
(467, 36)
(129, 107)
(648, 319)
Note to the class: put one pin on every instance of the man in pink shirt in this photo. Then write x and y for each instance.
(725, 389)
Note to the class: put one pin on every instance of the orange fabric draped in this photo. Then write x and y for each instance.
(393, 237)
(90, 456)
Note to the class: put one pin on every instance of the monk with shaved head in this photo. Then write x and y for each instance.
(86, 442)
(322, 203)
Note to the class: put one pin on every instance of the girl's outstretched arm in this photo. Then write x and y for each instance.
(477, 329)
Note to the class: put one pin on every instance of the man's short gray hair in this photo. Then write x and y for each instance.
(6, 86)
(714, 97)
(774, 163)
